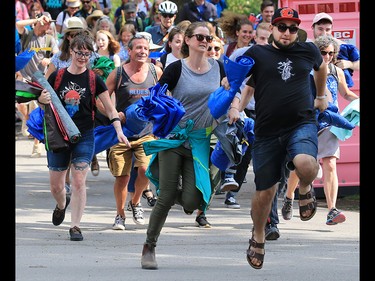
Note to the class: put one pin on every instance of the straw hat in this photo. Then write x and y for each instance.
(74, 24)
(94, 15)
(73, 3)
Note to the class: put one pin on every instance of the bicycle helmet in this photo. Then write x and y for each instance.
(168, 7)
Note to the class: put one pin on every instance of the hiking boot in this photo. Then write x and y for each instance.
(201, 221)
(75, 234)
(232, 203)
(229, 184)
(119, 223)
(58, 215)
(335, 216)
(137, 213)
(148, 260)
(287, 209)
(272, 232)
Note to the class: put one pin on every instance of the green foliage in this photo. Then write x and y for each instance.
(115, 5)
(244, 6)
(239, 6)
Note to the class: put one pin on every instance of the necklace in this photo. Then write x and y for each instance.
(198, 68)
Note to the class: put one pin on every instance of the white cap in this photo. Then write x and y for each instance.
(321, 16)
(148, 36)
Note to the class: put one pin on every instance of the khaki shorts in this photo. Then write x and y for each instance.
(120, 157)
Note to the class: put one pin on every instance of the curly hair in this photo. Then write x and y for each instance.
(324, 41)
(104, 19)
(230, 22)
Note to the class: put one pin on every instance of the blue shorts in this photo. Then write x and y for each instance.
(270, 154)
(79, 152)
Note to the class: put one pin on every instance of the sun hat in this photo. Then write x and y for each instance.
(320, 16)
(74, 24)
(95, 14)
(73, 3)
(149, 39)
(285, 14)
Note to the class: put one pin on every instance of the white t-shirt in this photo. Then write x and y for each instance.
(142, 7)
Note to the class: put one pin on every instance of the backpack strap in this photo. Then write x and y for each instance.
(58, 78)
(118, 76)
(153, 71)
(92, 82)
(333, 71)
(48, 44)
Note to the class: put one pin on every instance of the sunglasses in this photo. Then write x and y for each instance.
(216, 48)
(283, 28)
(329, 53)
(86, 2)
(80, 54)
(167, 15)
(201, 37)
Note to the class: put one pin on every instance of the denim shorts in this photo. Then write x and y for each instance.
(79, 152)
(271, 153)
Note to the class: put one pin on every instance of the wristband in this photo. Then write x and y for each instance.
(321, 97)
(115, 119)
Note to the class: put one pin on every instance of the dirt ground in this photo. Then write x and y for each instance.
(348, 203)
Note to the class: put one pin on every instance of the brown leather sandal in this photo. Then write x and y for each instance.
(309, 206)
(250, 254)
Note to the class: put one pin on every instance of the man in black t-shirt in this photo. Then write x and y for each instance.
(285, 126)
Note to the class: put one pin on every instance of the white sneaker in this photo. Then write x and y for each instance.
(137, 213)
(119, 223)
(36, 153)
(24, 128)
(229, 184)
(232, 203)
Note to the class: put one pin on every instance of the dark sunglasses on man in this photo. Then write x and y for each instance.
(167, 15)
(293, 29)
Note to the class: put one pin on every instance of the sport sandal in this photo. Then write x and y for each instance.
(250, 254)
(309, 206)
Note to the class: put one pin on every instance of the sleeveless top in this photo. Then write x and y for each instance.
(130, 92)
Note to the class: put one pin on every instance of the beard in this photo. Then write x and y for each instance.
(283, 46)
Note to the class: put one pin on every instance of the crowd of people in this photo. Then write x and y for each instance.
(111, 57)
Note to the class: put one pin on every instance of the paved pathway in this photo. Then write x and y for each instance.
(305, 251)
